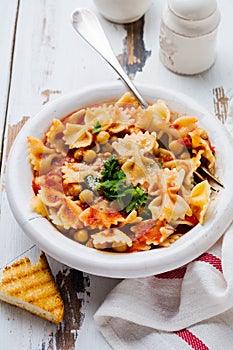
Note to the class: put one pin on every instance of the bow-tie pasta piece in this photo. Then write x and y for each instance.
(102, 115)
(38, 206)
(200, 141)
(67, 216)
(199, 201)
(55, 137)
(170, 205)
(150, 232)
(77, 172)
(101, 216)
(185, 124)
(77, 136)
(122, 119)
(111, 238)
(41, 157)
(127, 101)
(76, 117)
(131, 149)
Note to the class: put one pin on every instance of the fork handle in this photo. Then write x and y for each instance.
(88, 26)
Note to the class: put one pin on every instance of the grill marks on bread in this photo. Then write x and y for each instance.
(32, 287)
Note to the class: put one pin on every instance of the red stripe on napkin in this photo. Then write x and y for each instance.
(192, 340)
(178, 273)
(212, 260)
(185, 334)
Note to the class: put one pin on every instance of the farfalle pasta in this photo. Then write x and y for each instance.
(122, 178)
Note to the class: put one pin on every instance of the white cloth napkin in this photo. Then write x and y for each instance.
(188, 308)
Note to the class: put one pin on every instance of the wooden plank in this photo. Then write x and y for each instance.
(8, 20)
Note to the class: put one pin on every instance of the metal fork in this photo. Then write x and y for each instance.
(220, 109)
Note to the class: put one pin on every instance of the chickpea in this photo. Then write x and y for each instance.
(74, 189)
(89, 156)
(176, 147)
(81, 236)
(103, 137)
(78, 154)
(86, 196)
(185, 155)
(107, 148)
(120, 248)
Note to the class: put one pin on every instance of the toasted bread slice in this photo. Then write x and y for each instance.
(32, 288)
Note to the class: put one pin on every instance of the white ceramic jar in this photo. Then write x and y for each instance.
(188, 35)
(122, 11)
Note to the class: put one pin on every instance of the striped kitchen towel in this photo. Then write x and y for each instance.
(187, 308)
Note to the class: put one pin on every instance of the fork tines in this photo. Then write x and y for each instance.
(211, 176)
(220, 109)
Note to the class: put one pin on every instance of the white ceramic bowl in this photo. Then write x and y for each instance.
(65, 250)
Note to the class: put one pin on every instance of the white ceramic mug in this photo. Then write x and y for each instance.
(122, 11)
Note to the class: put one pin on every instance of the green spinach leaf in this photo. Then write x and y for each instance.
(113, 186)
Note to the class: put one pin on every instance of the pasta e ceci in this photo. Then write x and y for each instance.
(121, 178)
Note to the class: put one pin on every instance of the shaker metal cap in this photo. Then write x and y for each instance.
(193, 9)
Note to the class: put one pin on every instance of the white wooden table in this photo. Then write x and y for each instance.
(41, 58)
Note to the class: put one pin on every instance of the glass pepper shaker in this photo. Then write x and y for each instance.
(188, 35)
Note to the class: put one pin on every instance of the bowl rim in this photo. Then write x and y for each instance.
(75, 255)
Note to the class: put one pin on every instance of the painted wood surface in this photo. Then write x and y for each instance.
(42, 58)
(8, 16)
